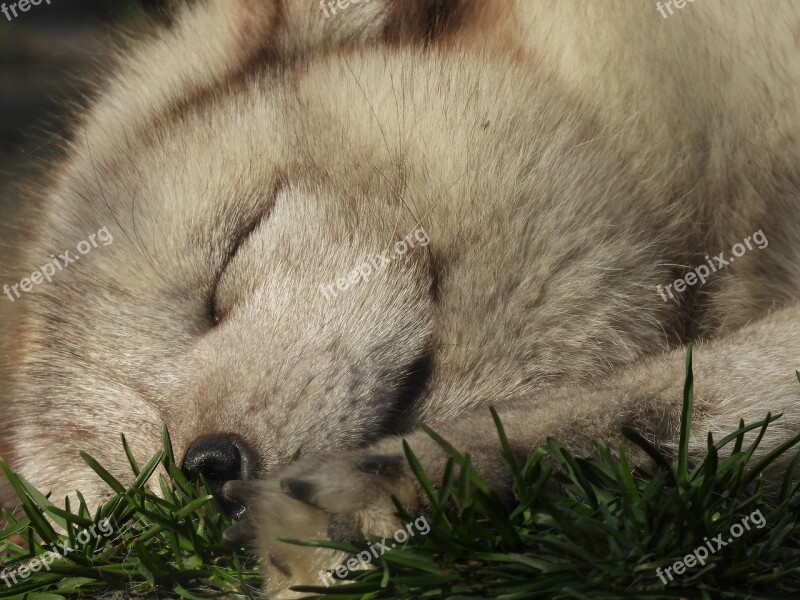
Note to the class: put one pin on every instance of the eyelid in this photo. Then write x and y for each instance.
(213, 309)
(241, 237)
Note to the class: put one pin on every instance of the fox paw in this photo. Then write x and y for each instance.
(344, 499)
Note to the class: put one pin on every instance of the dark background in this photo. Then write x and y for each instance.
(46, 56)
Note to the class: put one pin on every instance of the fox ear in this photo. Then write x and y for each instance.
(208, 42)
(470, 21)
(307, 26)
(213, 42)
(209, 45)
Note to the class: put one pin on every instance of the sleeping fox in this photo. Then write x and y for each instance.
(553, 197)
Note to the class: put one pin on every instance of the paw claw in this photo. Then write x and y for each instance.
(345, 530)
(299, 489)
(378, 464)
(239, 534)
(280, 564)
(240, 491)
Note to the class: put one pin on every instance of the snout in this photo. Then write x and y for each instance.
(220, 459)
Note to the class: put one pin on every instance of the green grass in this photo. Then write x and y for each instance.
(169, 545)
(583, 528)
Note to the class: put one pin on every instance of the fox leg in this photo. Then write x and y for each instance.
(742, 375)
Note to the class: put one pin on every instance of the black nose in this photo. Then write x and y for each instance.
(219, 459)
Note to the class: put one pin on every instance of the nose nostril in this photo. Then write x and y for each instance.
(214, 458)
(218, 459)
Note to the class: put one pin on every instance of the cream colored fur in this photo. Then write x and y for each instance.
(564, 157)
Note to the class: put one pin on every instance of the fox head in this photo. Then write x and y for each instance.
(278, 231)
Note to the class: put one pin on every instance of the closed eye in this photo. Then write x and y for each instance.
(215, 312)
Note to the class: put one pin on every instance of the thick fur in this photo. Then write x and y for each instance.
(565, 158)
